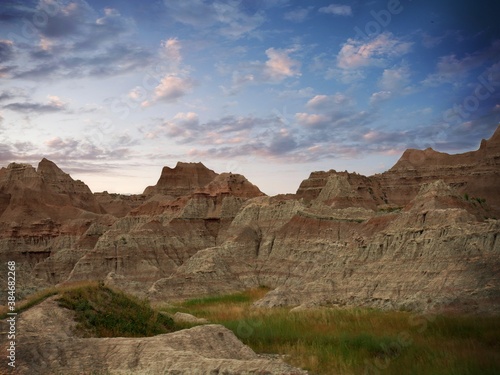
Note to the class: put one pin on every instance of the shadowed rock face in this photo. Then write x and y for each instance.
(423, 235)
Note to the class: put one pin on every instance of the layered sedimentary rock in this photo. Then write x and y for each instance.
(423, 235)
(44, 214)
(413, 240)
(159, 236)
(184, 179)
(475, 174)
(434, 254)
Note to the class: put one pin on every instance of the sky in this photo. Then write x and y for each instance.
(113, 90)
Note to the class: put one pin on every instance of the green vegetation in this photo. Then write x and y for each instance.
(358, 340)
(323, 341)
(42, 295)
(103, 312)
(481, 201)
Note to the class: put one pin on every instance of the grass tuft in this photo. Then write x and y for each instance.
(103, 312)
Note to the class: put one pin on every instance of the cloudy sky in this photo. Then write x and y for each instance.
(113, 90)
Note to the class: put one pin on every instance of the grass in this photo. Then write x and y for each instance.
(42, 295)
(103, 312)
(323, 341)
(358, 340)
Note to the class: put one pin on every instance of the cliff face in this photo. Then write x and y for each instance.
(423, 235)
(409, 238)
(475, 173)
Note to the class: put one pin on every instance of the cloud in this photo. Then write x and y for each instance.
(54, 104)
(282, 142)
(395, 79)
(6, 50)
(75, 41)
(337, 9)
(12, 93)
(68, 149)
(175, 81)
(431, 41)
(452, 69)
(379, 97)
(312, 120)
(358, 54)
(232, 135)
(297, 15)
(346, 76)
(305, 92)
(78, 149)
(280, 65)
(185, 126)
(329, 102)
(171, 52)
(172, 88)
(226, 18)
(60, 144)
(68, 18)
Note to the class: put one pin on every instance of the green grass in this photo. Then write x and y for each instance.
(323, 341)
(358, 340)
(103, 312)
(42, 295)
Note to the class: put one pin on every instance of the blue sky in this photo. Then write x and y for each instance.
(114, 90)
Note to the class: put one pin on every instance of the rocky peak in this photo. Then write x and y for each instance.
(434, 195)
(493, 142)
(49, 168)
(233, 184)
(412, 159)
(184, 179)
(60, 181)
(16, 172)
(475, 173)
(47, 186)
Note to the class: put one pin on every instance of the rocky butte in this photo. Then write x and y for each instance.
(422, 236)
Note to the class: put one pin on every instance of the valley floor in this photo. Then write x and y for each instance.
(357, 340)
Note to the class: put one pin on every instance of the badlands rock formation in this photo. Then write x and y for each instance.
(423, 235)
(181, 180)
(48, 345)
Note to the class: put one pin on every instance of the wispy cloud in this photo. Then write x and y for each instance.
(452, 69)
(175, 82)
(54, 104)
(376, 52)
(395, 79)
(379, 97)
(297, 15)
(330, 102)
(74, 41)
(228, 19)
(279, 66)
(6, 50)
(337, 9)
